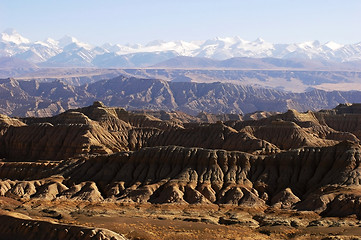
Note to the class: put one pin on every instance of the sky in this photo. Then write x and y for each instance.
(141, 21)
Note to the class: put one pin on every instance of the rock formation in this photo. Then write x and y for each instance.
(194, 175)
(289, 161)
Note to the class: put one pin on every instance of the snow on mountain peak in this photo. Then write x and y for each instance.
(69, 49)
(309, 44)
(41, 43)
(10, 35)
(67, 40)
(333, 45)
(51, 41)
(259, 40)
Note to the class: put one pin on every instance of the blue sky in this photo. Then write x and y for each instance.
(141, 21)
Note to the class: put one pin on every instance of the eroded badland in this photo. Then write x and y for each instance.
(106, 173)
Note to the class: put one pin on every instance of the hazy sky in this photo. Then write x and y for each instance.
(141, 21)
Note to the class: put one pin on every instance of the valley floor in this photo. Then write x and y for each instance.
(184, 221)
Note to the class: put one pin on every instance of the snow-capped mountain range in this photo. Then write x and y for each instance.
(70, 52)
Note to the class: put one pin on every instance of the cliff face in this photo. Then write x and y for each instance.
(291, 160)
(345, 118)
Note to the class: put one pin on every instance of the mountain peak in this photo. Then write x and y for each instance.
(221, 48)
(239, 39)
(333, 45)
(316, 43)
(66, 40)
(51, 41)
(259, 40)
(10, 35)
(69, 40)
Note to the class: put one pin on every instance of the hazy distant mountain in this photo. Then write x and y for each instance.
(268, 73)
(188, 62)
(294, 80)
(68, 51)
(256, 63)
(141, 59)
(11, 66)
(73, 54)
(33, 98)
(15, 63)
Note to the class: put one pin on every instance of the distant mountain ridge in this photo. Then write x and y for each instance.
(70, 52)
(34, 98)
(256, 63)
